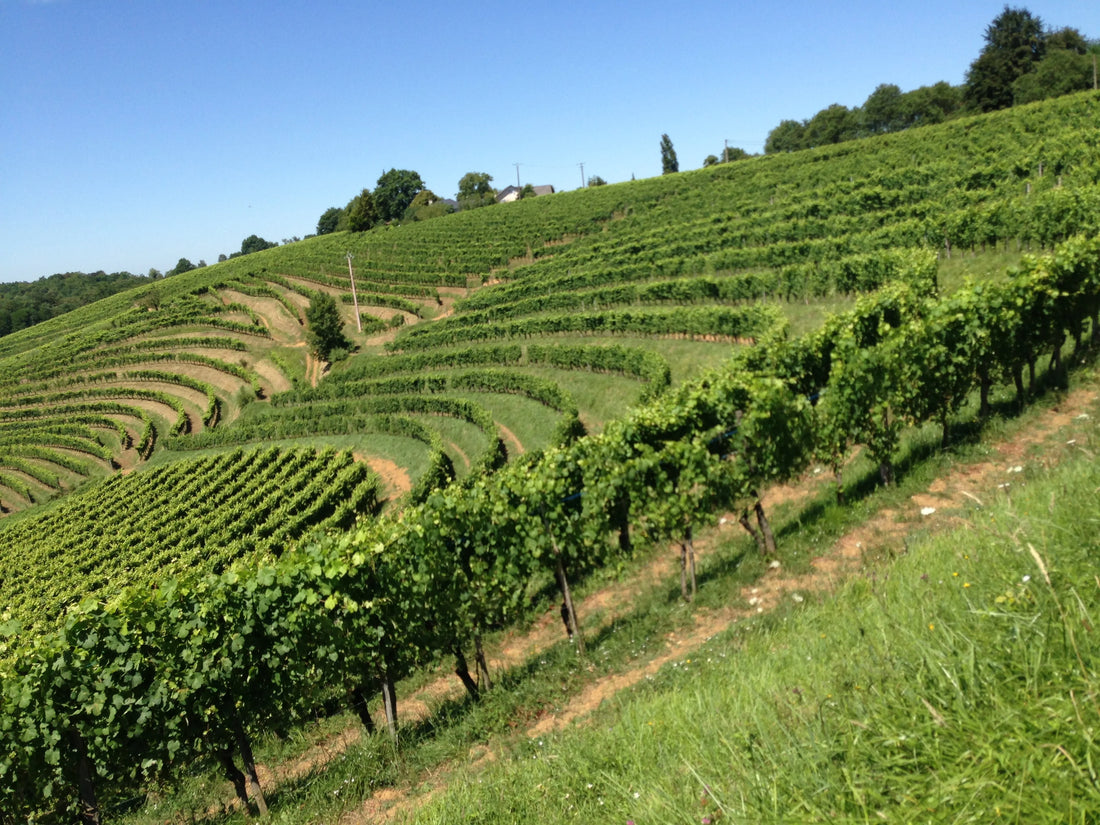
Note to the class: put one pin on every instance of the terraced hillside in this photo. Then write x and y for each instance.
(500, 331)
(200, 431)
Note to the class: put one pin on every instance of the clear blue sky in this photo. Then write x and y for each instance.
(134, 132)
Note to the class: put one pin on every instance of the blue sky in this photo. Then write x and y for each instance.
(136, 132)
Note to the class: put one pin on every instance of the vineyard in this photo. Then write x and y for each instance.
(563, 379)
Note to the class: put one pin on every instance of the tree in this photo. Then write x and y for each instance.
(360, 213)
(394, 192)
(1014, 44)
(326, 330)
(883, 111)
(931, 104)
(475, 184)
(1061, 72)
(710, 160)
(596, 180)
(329, 220)
(183, 265)
(669, 164)
(474, 190)
(424, 206)
(1066, 67)
(788, 136)
(254, 243)
(528, 191)
(834, 124)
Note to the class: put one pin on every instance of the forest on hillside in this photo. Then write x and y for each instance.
(24, 304)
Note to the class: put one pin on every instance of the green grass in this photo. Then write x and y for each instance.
(686, 358)
(599, 397)
(805, 317)
(531, 422)
(976, 266)
(956, 685)
(463, 442)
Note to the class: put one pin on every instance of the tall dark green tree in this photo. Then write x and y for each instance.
(1014, 45)
(360, 213)
(394, 192)
(326, 330)
(669, 164)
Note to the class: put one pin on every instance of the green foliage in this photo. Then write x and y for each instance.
(254, 243)
(669, 164)
(1061, 71)
(786, 137)
(183, 265)
(330, 220)
(596, 180)
(25, 304)
(969, 639)
(425, 206)
(387, 596)
(394, 192)
(326, 329)
(361, 213)
(1014, 45)
(474, 190)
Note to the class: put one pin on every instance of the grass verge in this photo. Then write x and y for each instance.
(960, 685)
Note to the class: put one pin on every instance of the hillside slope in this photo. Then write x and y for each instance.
(642, 280)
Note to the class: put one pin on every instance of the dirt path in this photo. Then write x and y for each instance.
(394, 477)
(957, 489)
(509, 437)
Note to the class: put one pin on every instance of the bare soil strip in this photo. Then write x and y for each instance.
(516, 447)
(275, 316)
(394, 477)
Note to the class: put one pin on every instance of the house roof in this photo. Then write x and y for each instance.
(511, 193)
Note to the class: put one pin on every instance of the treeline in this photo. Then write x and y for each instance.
(1021, 62)
(25, 304)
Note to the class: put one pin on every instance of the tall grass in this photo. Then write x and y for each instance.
(958, 685)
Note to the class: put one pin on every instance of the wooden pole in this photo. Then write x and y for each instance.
(354, 298)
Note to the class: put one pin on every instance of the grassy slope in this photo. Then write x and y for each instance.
(957, 683)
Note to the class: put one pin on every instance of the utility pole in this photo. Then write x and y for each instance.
(517, 174)
(726, 152)
(582, 174)
(354, 299)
